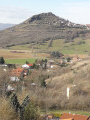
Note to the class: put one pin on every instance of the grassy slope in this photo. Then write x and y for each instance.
(59, 45)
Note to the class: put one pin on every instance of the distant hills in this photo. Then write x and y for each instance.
(4, 26)
(40, 28)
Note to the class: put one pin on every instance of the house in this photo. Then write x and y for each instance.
(30, 65)
(88, 26)
(3, 65)
(10, 88)
(50, 63)
(27, 66)
(75, 59)
(17, 74)
(51, 117)
(69, 116)
(33, 86)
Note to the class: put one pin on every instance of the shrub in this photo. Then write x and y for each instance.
(7, 112)
(56, 54)
(31, 112)
(2, 61)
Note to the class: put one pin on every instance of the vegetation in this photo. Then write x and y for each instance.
(78, 46)
(20, 61)
(25, 111)
(48, 91)
(45, 86)
(40, 29)
(56, 54)
(2, 61)
(6, 111)
(31, 112)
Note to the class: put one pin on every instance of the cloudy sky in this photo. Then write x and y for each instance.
(16, 11)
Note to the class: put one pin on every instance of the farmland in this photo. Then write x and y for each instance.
(7, 54)
(20, 61)
(79, 46)
(21, 56)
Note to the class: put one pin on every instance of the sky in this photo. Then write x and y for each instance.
(17, 11)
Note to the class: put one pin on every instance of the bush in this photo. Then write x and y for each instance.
(2, 61)
(7, 112)
(56, 54)
(31, 112)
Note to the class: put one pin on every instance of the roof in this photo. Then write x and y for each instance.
(67, 119)
(51, 61)
(27, 65)
(74, 116)
(16, 72)
(30, 64)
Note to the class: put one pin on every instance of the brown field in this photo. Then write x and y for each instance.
(79, 55)
(8, 54)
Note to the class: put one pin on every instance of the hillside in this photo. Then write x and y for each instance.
(39, 29)
(77, 78)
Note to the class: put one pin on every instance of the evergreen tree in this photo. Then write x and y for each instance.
(2, 61)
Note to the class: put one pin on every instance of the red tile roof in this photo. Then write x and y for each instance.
(16, 72)
(75, 117)
(30, 65)
(68, 119)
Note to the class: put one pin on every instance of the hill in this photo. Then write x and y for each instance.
(76, 77)
(39, 29)
(4, 26)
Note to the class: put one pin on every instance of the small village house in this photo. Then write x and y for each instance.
(17, 74)
(75, 59)
(50, 63)
(28, 66)
(10, 88)
(69, 116)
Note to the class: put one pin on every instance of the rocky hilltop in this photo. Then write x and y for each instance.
(39, 28)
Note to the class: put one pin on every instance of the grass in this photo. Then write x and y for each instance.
(20, 61)
(59, 45)
(21, 47)
(87, 113)
(21, 54)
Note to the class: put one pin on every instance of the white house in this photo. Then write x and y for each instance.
(25, 66)
(14, 78)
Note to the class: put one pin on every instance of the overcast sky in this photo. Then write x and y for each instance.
(16, 11)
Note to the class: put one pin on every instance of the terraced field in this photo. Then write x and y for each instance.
(79, 46)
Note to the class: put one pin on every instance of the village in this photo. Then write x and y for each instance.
(36, 78)
(19, 73)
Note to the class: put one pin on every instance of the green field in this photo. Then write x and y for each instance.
(20, 61)
(79, 46)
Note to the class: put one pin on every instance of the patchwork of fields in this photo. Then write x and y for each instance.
(79, 46)
(21, 56)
